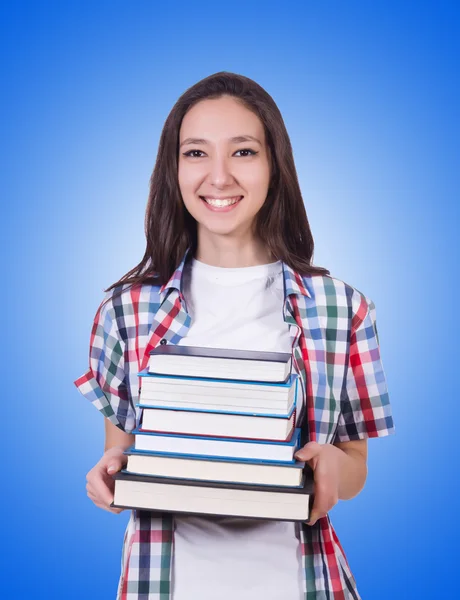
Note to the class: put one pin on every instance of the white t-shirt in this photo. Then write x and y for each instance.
(224, 557)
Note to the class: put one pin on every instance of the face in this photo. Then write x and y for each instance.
(224, 167)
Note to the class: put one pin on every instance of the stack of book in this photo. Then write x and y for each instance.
(217, 436)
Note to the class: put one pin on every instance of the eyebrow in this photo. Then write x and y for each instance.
(235, 140)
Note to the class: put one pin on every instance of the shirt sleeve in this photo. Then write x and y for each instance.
(104, 384)
(365, 405)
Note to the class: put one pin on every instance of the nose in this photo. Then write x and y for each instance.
(220, 174)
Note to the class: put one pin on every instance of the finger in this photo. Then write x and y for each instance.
(116, 511)
(101, 483)
(317, 513)
(92, 495)
(91, 491)
(112, 461)
(102, 487)
(315, 517)
(99, 504)
(319, 508)
(308, 452)
(326, 497)
(95, 500)
(115, 464)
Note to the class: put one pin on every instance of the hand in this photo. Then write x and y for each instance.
(100, 484)
(325, 460)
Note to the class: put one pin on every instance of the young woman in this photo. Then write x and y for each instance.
(228, 264)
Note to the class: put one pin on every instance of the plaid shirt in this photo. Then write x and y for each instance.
(335, 351)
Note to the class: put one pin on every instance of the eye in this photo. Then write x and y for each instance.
(192, 152)
(253, 152)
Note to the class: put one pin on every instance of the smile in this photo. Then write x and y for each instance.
(221, 204)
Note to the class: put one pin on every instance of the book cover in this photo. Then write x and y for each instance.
(294, 441)
(189, 378)
(215, 411)
(203, 352)
(255, 461)
(158, 494)
(306, 489)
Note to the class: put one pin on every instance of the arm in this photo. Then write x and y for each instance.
(340, 468)
(115, 438)
(353, 468)
(340, 472)
(104, 384)
(100, 484)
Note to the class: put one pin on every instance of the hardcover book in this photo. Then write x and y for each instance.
(212, 469)
(210, 498)
(167, 443)
(230, 396)
(217, 424)
(220, 363)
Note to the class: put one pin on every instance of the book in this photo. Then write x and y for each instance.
(213, 469)
(215, 424)
(168, 443)
(220, 363)
(160, 391)
(210, 498)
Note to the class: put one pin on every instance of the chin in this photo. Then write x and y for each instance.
(223, 229)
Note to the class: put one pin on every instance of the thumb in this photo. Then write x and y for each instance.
(308, 452)
(114, 460)
(115, 464)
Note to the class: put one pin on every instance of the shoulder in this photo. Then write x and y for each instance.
(329, 292)
(127, 300)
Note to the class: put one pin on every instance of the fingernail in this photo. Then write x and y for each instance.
(111, 469)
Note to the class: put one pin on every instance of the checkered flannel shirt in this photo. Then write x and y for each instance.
(336, 353)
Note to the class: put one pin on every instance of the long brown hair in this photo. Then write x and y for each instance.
(282, 221)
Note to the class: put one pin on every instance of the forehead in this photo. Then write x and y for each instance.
(222, 117)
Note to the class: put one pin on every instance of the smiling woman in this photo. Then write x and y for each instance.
(222, 175)
(228, 264)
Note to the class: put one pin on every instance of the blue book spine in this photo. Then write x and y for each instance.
(251, 461)
(292, 442)
(287, 384)
(218, 481)
(218, 412)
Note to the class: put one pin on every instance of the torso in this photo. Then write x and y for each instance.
(322, 313)
(242, 558)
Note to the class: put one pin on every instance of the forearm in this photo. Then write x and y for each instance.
(114, 437)
(352, 472)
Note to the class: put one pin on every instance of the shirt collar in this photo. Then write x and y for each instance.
(175, 281)
(293, 282)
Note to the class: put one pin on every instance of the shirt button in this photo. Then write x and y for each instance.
(163, 342)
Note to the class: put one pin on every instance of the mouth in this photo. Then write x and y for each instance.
(221, 204)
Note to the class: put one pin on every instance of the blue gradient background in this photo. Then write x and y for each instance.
(369, 92)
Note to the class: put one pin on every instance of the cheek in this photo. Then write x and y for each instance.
(257, 179)
(258, 190)
(187, 176)
(192, 167)
(182, 179)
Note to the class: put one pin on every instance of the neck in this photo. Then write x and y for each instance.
(220, 251)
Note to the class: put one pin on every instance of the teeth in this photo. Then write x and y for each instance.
(220, 203)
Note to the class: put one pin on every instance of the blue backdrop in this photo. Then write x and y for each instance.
(369, 93)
